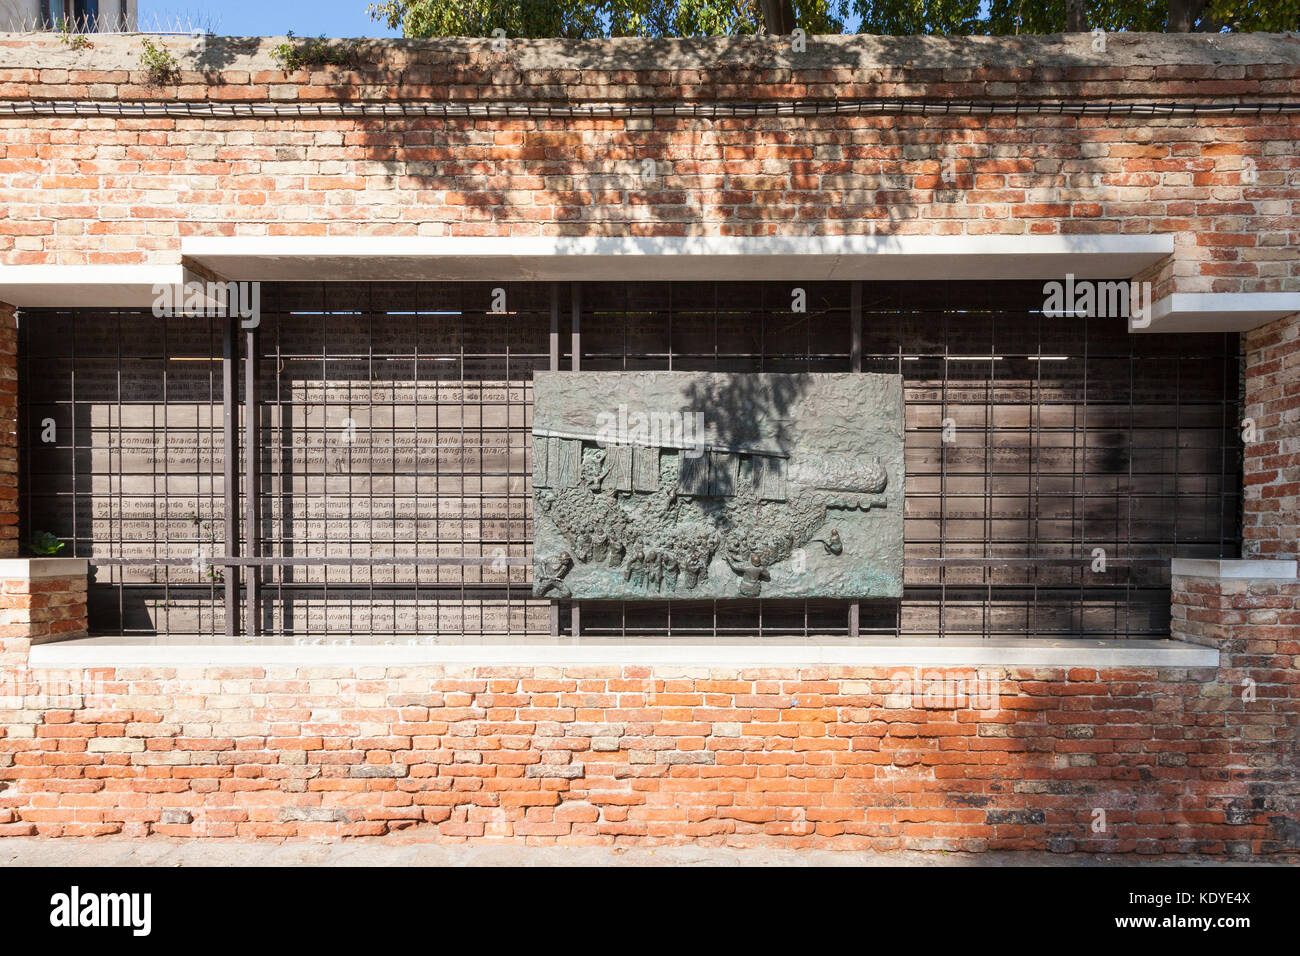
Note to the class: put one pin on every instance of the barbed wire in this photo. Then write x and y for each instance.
(697, 110)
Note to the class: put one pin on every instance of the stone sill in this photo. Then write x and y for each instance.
(739, 652)
(1245, 570)
(35, 569)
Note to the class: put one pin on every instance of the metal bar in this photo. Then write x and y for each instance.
(555, 327)
(555, 367)
(230, 470)
(604, 110)
(575, 312)
(519, 561)
(855, 365)
(576, 324)
(252, 480)
(121, 504)
(207, 533)
(855, 327)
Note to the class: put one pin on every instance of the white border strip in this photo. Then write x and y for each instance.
(1219, 311)
(1247, 569)
(92, 287)
(34, 569)
(663, 258)
(442, 247)
(105, 652)
(588, 258)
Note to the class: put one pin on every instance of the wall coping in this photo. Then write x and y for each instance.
(35, 569)
(744, 653)
(215, 55)
(1219, 311)
(81, 286)
(891, 257)
(597, 258)
(563, 259)
(1235, 570)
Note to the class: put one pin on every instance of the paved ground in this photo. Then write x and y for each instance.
(157, 851)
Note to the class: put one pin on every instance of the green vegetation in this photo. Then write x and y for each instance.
(308, 52)
(69, 38)
(158, 63)
(582, 19)
(44, 544)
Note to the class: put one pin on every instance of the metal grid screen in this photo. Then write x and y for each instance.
(392, 468)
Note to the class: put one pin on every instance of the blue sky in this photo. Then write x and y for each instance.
(333, 18)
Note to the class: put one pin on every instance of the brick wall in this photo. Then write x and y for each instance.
(835, 757)
(1177, 760)
(42, 600)
(1271, 510)
(127, 190)
(1255, 711)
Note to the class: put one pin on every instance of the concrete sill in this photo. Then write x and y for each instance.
(740, 652)
(1243, 570)
(35, 569)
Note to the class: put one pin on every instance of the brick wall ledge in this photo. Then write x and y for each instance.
(36, 569)
(739, 652)
(1250, 569)
(543, 66)
(891, 257)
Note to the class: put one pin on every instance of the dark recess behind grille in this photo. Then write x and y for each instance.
(1070, 435)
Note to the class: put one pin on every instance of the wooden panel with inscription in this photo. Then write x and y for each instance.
(396, 418)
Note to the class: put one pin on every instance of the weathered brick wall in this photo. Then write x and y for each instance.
(8, 432)
(1175, 759)
(1254, 714)
(127, 190)
(36, 607)
(1271, 511)
(1178, 760)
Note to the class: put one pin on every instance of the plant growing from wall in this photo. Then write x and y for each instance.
(76, 41)
(307, 52)
(158, 63)
(207, 530)
(45, 545)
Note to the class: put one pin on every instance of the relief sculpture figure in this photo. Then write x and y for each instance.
(752, 575)
(551, 580)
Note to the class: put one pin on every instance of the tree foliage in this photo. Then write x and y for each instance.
(584, 19)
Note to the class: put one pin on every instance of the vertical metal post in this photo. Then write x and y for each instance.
(576, 321)
(252, 480)
(855, 365)
(555, 367)
(575, 313)
(855, 326)
(230, 472)
(555, 326)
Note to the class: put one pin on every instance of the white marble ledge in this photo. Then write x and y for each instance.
(1235, 570)
(35, 569)
(550, 652)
